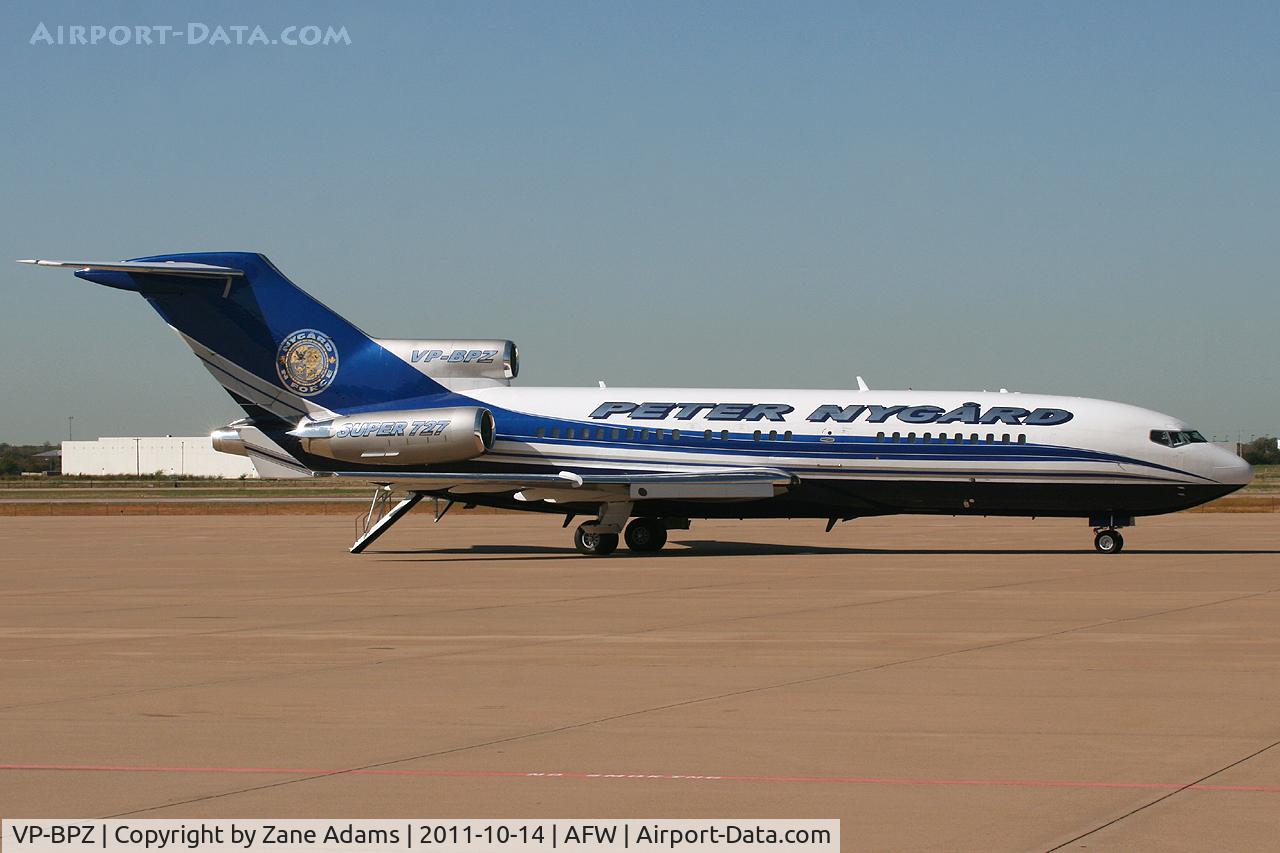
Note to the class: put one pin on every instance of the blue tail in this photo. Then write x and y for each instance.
(275, 349)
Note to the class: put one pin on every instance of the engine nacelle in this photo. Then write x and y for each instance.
(466, 362)
(228, 440)
(412, 437)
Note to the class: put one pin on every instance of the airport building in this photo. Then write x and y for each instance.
(184, 456)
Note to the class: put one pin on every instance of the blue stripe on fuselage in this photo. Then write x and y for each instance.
(523, 427)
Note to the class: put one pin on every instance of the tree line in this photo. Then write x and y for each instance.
(18, 458)
(1261, 451)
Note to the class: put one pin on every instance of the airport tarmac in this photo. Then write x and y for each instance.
(937, 684)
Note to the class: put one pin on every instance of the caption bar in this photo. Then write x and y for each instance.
(372, 836)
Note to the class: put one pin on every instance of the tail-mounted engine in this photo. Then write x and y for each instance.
(228, 440)
(460, 364)
(412, 437)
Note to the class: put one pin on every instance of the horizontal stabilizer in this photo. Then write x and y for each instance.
(160, 268)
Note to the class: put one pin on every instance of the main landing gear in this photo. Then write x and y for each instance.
(644, 535)
(1107, 538)
(594, 544)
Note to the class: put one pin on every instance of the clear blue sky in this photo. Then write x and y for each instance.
(1077, 198)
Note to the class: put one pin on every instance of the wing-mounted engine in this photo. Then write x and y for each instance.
(409, 437)
(460, 364)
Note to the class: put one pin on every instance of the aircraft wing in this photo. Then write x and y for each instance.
(570, 487)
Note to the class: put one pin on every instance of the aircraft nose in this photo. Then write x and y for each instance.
(1230, 469)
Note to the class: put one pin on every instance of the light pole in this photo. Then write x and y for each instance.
(70, 418)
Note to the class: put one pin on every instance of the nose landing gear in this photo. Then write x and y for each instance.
(1108, 542)
(1107, 538)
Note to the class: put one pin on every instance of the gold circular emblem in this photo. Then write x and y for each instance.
(306, 362)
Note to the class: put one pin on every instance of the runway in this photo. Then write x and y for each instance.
(937, 684)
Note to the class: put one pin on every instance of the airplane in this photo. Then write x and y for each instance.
(441, 418)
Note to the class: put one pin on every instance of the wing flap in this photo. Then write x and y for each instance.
(724, 484)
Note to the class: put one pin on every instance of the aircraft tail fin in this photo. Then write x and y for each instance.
(278, 351)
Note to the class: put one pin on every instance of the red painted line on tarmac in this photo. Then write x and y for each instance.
(662, 777)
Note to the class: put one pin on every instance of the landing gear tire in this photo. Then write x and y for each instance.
(1108, 542)
(645, 535)
(594, 544)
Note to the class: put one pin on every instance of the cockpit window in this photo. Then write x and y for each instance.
(1175, 438)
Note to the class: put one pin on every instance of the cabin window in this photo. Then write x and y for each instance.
(974, 438)
(724, 435)
(568, 433)
(911, 437)
(756, 435)
(707, 435)
(928, 437)
(897, 436)
(617, 434)
(542, 432)
(657, 434)
(1004, 439)
(991, 437)
(879, 436)
(675, 435)
(628, 434)
(786, 436)
(644, 435)
(1022, 439)
(555, 432)
(773, 435)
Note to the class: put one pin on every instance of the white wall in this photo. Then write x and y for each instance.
(191, 456)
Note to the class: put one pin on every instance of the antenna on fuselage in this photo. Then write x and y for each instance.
(862, 385)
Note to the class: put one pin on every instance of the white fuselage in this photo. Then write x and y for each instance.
(815, 432)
